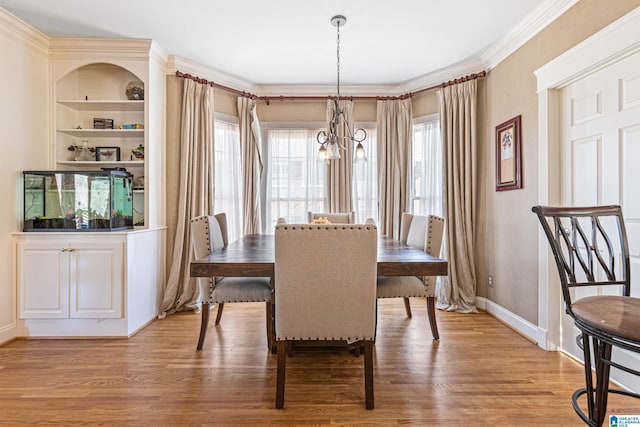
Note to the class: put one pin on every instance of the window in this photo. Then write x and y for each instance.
(228, 175)
(365, 179)
(426, 167)
(296, 180)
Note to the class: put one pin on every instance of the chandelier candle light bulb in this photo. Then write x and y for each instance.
(330, 142)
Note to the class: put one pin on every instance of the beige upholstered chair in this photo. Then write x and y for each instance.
(334, 218)
(321, 294)
(209, 234)
(424, 233)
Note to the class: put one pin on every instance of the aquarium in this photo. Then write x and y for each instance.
(78, 200)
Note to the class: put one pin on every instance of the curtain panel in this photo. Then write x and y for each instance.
(394, 130)
(340, 175)
(250, 146)
(458, 115)
(196, 189)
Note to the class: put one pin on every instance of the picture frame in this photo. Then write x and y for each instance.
(108, 154)
(508, 155)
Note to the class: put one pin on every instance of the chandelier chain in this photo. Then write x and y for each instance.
(338, 55)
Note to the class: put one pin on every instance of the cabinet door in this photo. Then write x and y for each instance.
(43, 280)
(96, 280)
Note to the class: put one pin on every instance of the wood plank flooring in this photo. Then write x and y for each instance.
(480, 373)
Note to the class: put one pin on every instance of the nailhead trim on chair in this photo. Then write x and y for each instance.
(207, 231)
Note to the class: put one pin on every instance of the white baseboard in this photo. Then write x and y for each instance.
(522, 326)
(7, 333)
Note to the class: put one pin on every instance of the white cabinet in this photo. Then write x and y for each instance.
(70, 279)
(87, 284)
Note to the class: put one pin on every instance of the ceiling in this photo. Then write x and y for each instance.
(292, 42)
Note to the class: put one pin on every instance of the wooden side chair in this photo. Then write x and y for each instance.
(424, 233)
(590, 248)
(325, 279)
(209, 234)
(333, 218)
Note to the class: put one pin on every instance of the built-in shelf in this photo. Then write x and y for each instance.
(102, 163)
(103, 105)
(88, 133)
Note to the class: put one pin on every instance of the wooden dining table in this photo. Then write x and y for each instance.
(254, 256)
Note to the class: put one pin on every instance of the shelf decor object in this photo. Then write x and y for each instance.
(109, 154)
(135, 90)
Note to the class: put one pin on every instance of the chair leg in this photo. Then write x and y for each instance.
(269, 311)
(597, 394)
(431, 313)
(407, 307)
(282, 358)
(603, 352)
(204, 322)
(368, 374)
(219, 314)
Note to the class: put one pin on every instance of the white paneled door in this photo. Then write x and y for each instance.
(601, 161)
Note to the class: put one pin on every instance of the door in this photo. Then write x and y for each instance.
(601, 161)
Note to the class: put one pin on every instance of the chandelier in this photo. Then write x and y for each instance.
(330, 142)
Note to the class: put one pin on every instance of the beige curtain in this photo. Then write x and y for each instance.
(250, 148)
(340, 174)
(195, 192)
(458, 128)
(394, 145)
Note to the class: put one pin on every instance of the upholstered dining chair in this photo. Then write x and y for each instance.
(333, 218)
(321, 294)
(590, 248)
(209, 234)
(424, 233)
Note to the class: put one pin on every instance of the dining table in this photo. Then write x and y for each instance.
(254, 256)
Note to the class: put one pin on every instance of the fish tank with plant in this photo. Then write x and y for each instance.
(78, 200)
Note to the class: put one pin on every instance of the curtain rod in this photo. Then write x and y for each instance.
(267, 99)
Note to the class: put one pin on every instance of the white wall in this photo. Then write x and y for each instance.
(24, 124)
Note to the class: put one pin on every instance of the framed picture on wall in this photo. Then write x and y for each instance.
(508, 155)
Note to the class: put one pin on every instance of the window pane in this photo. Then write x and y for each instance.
(426, 169)
(296, 180)
(228, 177)
(365, 180)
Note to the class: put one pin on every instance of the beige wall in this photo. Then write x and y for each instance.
(507, 244)
(24, 130)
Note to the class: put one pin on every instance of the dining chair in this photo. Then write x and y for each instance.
(333, 218)
(323, 294)
(209, 234)
(424, 233)
(590, 248)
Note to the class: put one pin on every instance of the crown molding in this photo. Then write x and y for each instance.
(543, 15)
(437, 77)
(327, 90)
(15, 27)
(176, 63)
(100, 48)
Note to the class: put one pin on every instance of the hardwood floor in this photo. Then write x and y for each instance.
(479, 373)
